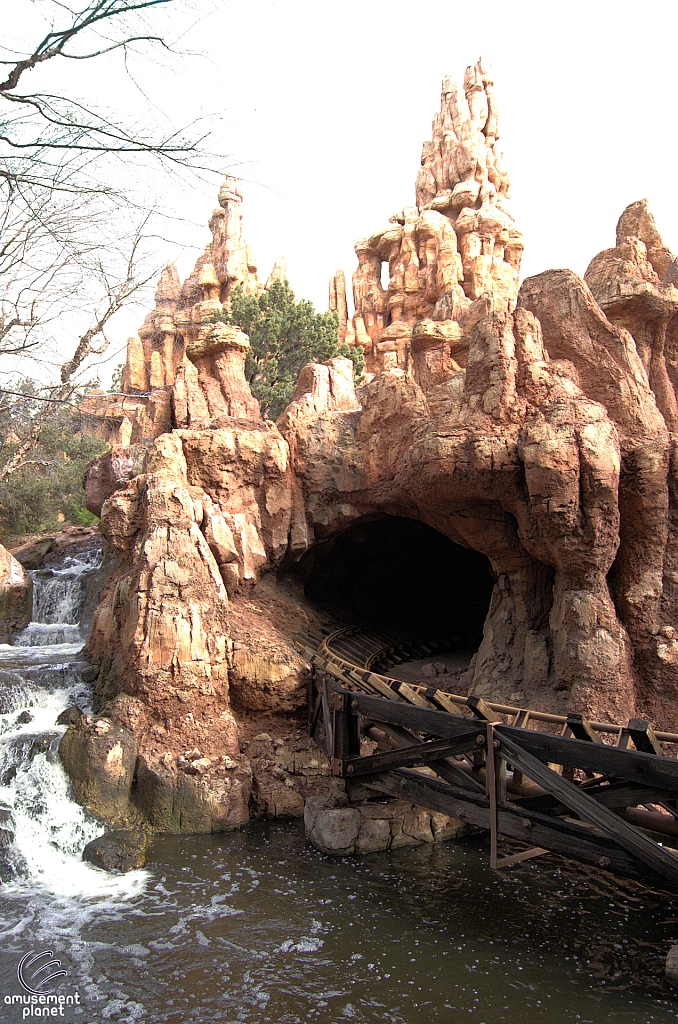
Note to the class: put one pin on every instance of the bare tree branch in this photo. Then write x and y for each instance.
(74, 243)
(54, 42)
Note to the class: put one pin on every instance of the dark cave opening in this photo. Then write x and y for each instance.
(401, 573)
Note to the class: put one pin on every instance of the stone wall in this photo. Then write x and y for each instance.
(371, 826)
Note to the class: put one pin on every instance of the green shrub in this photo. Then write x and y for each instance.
(46, 490)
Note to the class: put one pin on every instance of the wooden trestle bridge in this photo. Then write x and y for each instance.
(596, 792)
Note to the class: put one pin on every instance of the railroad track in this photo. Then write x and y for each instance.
(599, 792)
(356, 656)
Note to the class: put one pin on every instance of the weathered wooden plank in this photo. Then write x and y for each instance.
(457, 777)
(495, 784)
(635, 842)
(411, 695)
(657, 772)
(377, 685)
(437, 723)
(623, 739)
(327, 717)
(345, 731)
(565, 837)
(517, 858)
(620, 794)
(442, 700)
(403, 737)
(315, 709)
(423, 753)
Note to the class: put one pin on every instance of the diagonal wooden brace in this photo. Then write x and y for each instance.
(422, 753)
(610, 824)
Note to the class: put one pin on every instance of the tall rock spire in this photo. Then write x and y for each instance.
(456, 245)
(184, 368)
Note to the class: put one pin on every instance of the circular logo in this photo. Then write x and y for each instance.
(43, 963)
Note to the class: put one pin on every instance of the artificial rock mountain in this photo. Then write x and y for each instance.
(536, 426)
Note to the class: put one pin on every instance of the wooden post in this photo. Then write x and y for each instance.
(520, 722)
(315, 701)
(327, 717)
(346, 732)
(311, 698)
(495, 782)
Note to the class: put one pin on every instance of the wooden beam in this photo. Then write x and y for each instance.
(648, 769)
(422, 753)
(372, 682)
(345, 731)
(411, 695)
(621, 794)
(517, 858)
(482, 710)
(571, 839)
(441, 700)
(643, 736)
(436, 723)
(314, 705)
(456, 776)
(615, 828)
(495, 783)
(403, 737)
(581, 729)
(327, 717)
(623, 739)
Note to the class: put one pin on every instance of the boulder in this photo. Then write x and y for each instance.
(671, 969)
(174, 800)
(373, 825)
(70, 716)
(100, 756)
(335, 829)
(32, 553)
(374, 835)
(16, 596)
(118, 851)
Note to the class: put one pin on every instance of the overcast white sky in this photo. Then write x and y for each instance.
(324, 107)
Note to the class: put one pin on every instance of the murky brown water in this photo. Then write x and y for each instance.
(259, 927)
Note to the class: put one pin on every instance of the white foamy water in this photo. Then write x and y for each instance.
(40, 676)
(43, 634)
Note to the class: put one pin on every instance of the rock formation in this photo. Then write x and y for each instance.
(16, 596)
(457, 243)
(534, 426)
(183, 370)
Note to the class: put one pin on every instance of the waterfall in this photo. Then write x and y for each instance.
(42, 830)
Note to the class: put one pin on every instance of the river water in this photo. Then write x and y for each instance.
(258, 927)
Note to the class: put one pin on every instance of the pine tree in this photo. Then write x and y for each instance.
(285, 335)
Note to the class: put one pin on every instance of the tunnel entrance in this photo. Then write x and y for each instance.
(400, 573)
